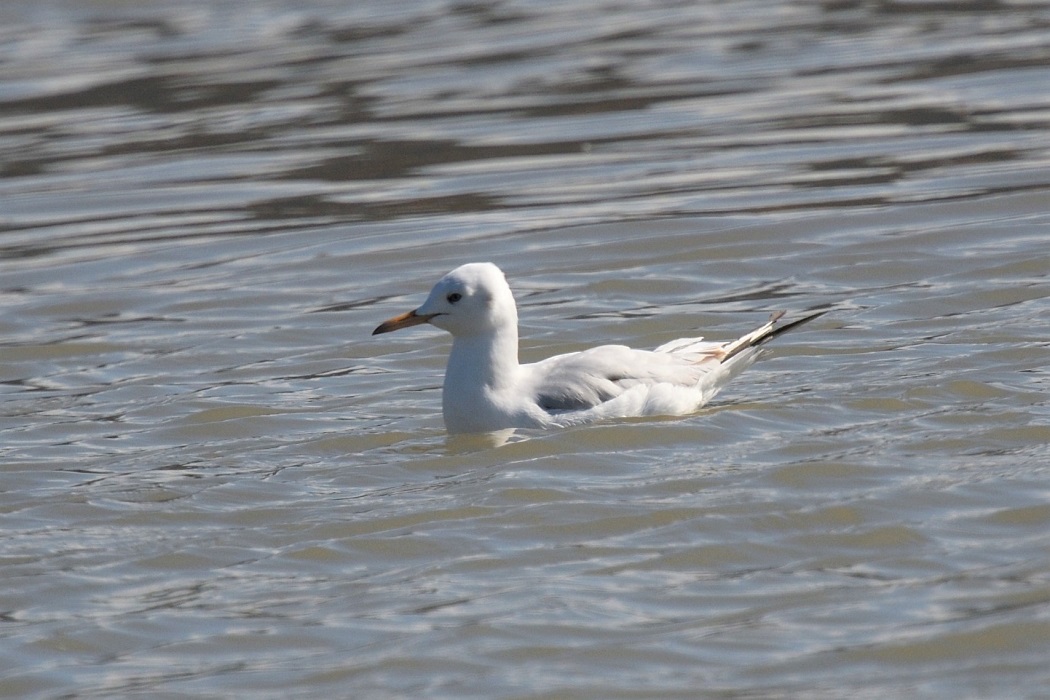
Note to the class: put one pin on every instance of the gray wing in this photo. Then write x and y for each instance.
(587, 379)
(583, 380)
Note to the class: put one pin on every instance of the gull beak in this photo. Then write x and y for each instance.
(402, 321)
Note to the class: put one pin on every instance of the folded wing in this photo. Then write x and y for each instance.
(583, 380)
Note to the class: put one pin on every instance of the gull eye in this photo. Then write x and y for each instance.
(454, 297)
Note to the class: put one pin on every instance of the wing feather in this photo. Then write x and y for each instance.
(586, 379)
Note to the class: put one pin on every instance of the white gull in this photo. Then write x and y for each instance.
(486, 389)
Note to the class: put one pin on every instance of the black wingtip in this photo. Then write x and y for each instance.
(778, 330)
(772, 332)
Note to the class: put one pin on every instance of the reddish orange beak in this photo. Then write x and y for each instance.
(402, 321)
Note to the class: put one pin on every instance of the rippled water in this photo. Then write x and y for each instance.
(215, 483)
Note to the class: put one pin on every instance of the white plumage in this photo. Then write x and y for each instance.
(486, 389)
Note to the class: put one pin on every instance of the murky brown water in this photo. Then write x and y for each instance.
(214, 482)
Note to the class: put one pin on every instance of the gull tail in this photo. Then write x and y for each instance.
(764, 334)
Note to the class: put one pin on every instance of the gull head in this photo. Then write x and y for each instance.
(473, 299)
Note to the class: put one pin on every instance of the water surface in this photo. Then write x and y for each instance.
(214, 481)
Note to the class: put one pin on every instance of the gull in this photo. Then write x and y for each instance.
(486, 389)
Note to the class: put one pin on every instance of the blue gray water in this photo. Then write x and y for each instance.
(215, 483)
